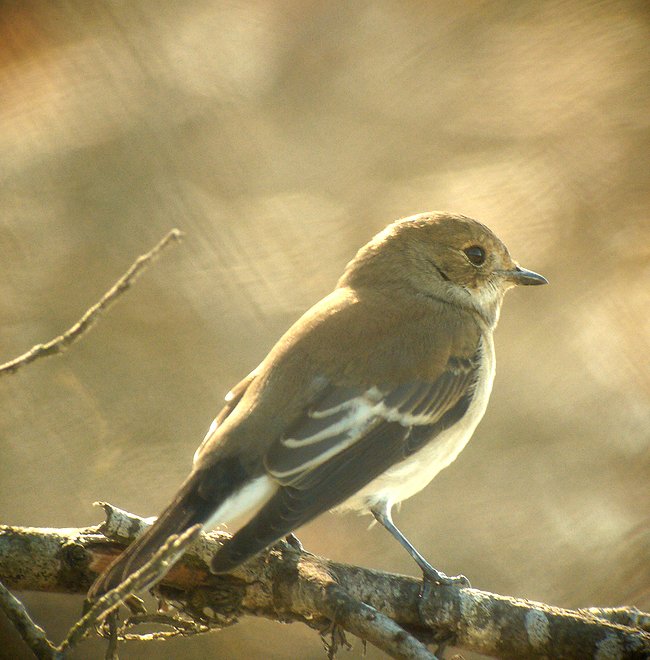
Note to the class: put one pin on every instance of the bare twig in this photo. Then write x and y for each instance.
(33, 635)
(287, 585)
(62, 342)
(111, 624)
(179, 627)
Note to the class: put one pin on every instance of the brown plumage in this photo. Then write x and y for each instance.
(361, 403)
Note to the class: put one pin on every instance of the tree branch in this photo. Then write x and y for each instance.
(62, 342)
(286, 584)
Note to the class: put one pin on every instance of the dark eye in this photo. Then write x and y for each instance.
(475, 254)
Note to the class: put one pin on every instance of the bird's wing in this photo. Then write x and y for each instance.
(346, 439)
(233, 397)
(345, 417)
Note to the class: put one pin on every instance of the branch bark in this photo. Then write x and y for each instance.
(286, 584)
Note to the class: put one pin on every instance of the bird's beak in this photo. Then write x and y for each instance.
(519, 275)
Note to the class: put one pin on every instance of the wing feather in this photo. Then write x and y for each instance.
(231, 400)
(342, 443)
(344, 416)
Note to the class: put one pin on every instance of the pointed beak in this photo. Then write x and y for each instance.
(520, 275)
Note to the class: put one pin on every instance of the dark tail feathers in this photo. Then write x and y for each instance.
(187, 509)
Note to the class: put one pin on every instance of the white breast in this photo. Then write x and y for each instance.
(412, 474)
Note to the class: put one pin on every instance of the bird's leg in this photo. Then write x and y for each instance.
(381, 512)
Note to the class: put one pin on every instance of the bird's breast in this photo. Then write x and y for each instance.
(411, 475)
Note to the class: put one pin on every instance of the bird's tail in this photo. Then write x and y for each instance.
(188, 508)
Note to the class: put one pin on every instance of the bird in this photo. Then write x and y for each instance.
(359, 405)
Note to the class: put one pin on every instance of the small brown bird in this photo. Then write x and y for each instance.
(360, 404)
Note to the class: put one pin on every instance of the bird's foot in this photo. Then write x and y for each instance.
(430, 578)
(431, 575)
(294, 542)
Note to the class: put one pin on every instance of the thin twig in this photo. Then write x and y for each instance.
(33, 635)
(142, 579)
(62, 342)
(111, 624)
(180, 627)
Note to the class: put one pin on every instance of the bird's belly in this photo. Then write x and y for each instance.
(411, 475)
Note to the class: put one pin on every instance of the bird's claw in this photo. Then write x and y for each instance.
(431, 578)
(439, 578)
(294, 542)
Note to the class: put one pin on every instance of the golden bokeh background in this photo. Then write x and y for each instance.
(280, 136)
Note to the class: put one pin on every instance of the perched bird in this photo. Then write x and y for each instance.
(360, 404)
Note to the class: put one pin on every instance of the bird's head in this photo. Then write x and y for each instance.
(442, 256)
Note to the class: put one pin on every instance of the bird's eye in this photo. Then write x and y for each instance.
(475, 254)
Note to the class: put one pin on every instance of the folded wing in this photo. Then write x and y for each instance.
(346, 439)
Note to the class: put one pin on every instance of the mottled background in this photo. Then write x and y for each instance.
(280, 136)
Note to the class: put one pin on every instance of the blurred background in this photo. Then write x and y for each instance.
(280, 136)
